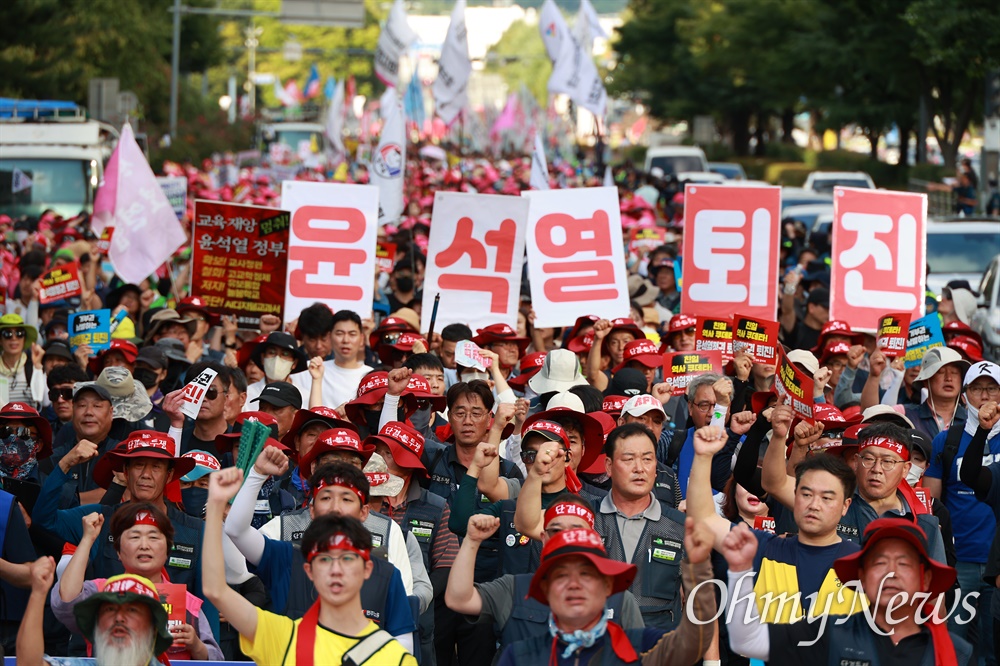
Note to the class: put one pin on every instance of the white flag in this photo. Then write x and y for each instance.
(553, 27)
(395, 38)
(575, 74)
(609, 178)
(19, 181)
(450, 88)
(283, 95)
(388, 162)
(587, 26)
(539, 167)
(335, 119)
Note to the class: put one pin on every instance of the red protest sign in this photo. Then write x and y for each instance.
(173, 596)
(60, 283)
(893, 332)
(646, 239)
(757, 337)
(385, 256)
(879, 254)
(764, 524)
(679, 368)
(714, 334)
(576, 261)
(731, 239)
(240, 255)
(104, 242)
(474, 259)
(794, 387)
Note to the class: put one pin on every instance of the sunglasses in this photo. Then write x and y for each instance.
(63, 393)
(23, 432)
(212, 393)
(9, 333)
(528, 457)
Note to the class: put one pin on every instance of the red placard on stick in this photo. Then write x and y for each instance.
(679, 368)
(173, 596)
(646, 238)
(893, 332)
(385, 255)
(712, 334)
(104, 242)
(794, 387)
(758, 337)
(240, 260)
(60, 283)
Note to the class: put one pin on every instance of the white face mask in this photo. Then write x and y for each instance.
(916, 471)
(278, 368)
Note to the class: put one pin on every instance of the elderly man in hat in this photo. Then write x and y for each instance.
(125, 622)
(575, 579)
(901, 581)
(93, 413)
(941, 373)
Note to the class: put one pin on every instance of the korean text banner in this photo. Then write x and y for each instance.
(239, 260)
(474, 259)
(757, 337)
(794, 387)
(925, 333)
(60, 283)
(879, 255)
(576, 262)
(893, 333)
(731, 250)
(92, 327)
(714, 335)
(331, 255)
(679, 368)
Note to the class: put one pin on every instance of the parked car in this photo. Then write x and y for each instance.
(797, 196)
(960, 251)
(728, 170)
(701, 177)
(825, 181)
(986, 319)
(675, 159)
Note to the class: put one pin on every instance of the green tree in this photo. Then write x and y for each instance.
(520, 57)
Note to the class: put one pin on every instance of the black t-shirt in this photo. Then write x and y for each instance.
(802, 337)
(786, 649)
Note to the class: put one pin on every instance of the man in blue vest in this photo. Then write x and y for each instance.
(337, 489)
(901, 581)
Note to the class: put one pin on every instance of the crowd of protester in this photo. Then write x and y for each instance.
(393, 506)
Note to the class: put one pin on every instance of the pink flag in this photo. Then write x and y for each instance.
(147, 231)
(507, 118)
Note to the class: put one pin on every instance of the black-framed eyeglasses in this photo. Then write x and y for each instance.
(56, 393)
(10, 333)
(23, 432)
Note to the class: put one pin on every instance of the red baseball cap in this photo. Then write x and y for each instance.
(613, 405)
(405, 442)
(527, 368)
(197, 304)
(126, 348)
(642, 351)
(838, 328)
(968, 346)
(834, 349)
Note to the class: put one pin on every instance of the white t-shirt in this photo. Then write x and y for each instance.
(340, 385)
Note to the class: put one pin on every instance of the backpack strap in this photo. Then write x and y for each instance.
(367, 648)
(950, 452)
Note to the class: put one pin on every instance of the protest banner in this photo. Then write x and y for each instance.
(893, 334)
(60, 283)
(764, 524)
(239, 260)
(474, 259)
(714, 335)
(173, 596)
(385, 256)
(646, 239)
(175, 187)
(469, 355)
(576, 262)
(923, 334)
(194, 391)
(794, 387)
(91, 327)
(731, 250)
(331, 253)
(757, 337)
(679, 368)
(879, 255)
(104, 242)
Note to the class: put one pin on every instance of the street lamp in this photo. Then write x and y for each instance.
(252, 42)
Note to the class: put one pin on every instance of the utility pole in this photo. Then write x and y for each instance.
(175, 69)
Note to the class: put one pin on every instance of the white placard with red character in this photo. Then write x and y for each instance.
(731, 237)
(576, 262)
(879, 255)
(474, 260)
(194, 392)
(331, 247)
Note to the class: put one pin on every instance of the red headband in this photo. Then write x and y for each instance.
(886, 443)
(338, 541)
(569, 509)
(146, 518)
(341, 482)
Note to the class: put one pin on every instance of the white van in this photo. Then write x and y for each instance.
(676, 159)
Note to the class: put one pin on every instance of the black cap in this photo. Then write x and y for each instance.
(280, 394)
(153, 356)
(919, 440)
(59, 349)
(173, 349)
(83, 387)
(819, 296)
(628, 382)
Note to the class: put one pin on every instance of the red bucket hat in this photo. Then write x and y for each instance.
(955, 328)
(404, 343)
(405, 442)
(527, 368)
(642, 351)
(613, 405)
(140, 444)
(319, 414)
(389, 325)
(580, 543)
(681, 322)
(834, 349)
(197, 304)
(593, 433)
(581, 344)
(968, 346)
(839, 328)
(501, 333)
(418, 388)
(372, 389)
(336, 439)
(25, 412)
